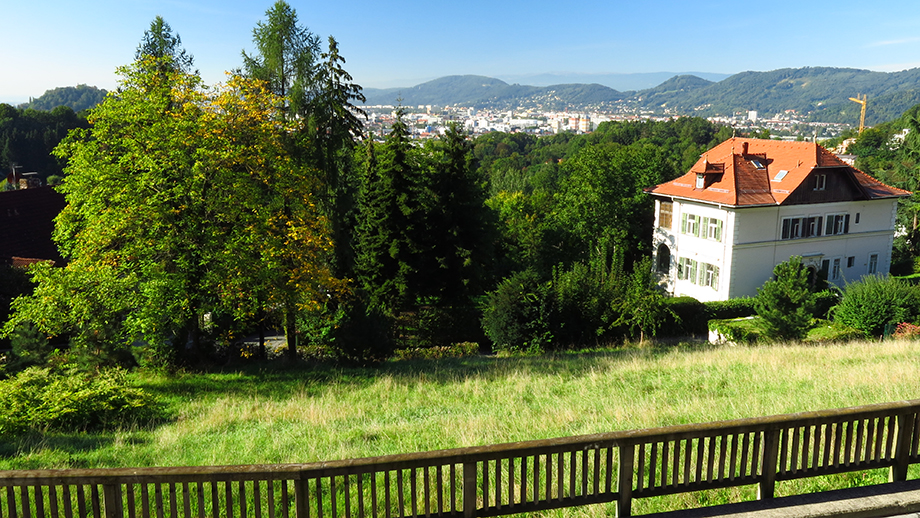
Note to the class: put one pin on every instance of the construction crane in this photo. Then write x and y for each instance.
(863, 100)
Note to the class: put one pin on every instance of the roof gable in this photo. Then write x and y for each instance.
(757, 172)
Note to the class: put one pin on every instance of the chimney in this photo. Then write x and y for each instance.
(744, 148)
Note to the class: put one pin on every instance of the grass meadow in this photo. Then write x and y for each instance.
(254, 414)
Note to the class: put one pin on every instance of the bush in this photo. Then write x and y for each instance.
(39, 399)
(738, 330)
(786, 303)
(731, 308)
(876, 301)
(824, 302)
(691, 317)
(516, 316)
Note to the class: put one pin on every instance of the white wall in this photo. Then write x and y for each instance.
(751, 246)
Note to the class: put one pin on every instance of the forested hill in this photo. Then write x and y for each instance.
(815, 93)
(78, 98)
(487, 92)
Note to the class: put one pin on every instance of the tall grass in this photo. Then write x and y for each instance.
(312, 414)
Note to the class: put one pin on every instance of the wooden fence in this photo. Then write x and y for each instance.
(493, 480)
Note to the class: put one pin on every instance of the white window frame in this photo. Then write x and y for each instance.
(836, 264)
(837, 224)
(820, 182)
(872, 268)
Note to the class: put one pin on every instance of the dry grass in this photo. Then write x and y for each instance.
(311, 415)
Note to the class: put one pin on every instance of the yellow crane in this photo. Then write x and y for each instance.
(863, 100)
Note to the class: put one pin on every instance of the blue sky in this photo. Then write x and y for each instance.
(51, 43)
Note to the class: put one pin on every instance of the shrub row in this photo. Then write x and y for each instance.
(40, 399)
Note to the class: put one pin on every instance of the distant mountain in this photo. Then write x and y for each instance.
(815, 93)
(621, 82)
(78, 98)
(487, 92)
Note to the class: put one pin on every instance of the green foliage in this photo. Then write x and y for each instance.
(517, 315)
(458, 350)
(643, 307)
(28, 136)
(40, 399)
(731, 308)
(29, 347)
(786, 303)
(163, 48)
(181, 201)
(825, 302)
(745, 330)
(76, 98)
(690, 317)
(286, 56)
(588, 300)
(876, 301)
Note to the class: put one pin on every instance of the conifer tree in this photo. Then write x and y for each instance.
(390, 217)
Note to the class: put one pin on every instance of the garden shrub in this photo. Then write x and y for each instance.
(731, 308)
(583, 303)
(738, 330)
(41, 399)
(691, 317)
(824, 301)
(876, 301)
(786, 303)
(516, 316)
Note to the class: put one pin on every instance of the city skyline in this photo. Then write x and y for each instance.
(52, 43)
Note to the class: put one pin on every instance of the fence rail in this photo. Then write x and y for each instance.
(493, 480)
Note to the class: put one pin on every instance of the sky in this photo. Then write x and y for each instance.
(399, 43)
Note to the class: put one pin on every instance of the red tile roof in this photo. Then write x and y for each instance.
(749, 172)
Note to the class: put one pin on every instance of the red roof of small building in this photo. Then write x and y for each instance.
(750, 172)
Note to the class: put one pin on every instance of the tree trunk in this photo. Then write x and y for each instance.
(290, 330)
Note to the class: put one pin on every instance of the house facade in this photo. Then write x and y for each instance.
(749, 204)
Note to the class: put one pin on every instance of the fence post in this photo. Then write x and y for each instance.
(301, 497)
(625, 480)
(113, 506)
(768, 467)
(469, 489)
(898, 471)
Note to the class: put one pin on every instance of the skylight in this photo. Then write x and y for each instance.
(780, 175)
(757, 164)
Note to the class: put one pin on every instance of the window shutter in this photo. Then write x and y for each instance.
(846, 224)
(683, 223)
(715, 278)
(719, 230)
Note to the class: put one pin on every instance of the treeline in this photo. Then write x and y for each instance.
(890, 152)
(28, 137)
(77, 98)
(196, 216)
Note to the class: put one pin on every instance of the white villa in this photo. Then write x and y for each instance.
(748, 205)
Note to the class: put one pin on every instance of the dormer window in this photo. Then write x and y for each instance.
(820, 182)
(757, 164)
(700, 180)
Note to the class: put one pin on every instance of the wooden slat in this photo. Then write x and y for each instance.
(700, 445)
(808, 433)
(640, 469)
(849, 437)
(745, 455)
(665, 462)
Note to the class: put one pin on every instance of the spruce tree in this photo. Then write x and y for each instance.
(390, 216)
(786, 303)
